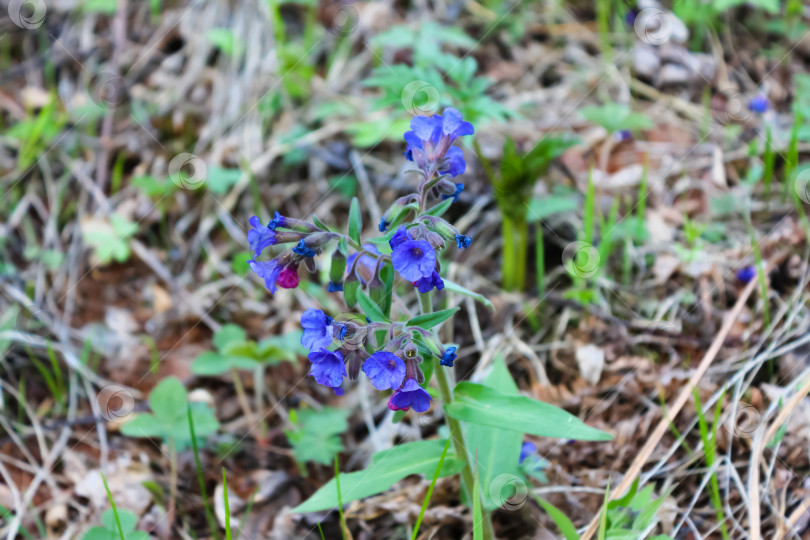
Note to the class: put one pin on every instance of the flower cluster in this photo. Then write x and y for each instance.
(413, 238)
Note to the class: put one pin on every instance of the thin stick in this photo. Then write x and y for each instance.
(680, 401)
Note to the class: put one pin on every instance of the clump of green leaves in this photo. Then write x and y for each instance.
(315, 436)
(615, 117)
(168, 419)
(235, 351)
(109, 239)
(513, 186)
(109, 527)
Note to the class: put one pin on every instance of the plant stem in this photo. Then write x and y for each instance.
(241, 396)
(467, 477)
(508, 256)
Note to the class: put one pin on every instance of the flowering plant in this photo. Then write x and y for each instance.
(400, 355)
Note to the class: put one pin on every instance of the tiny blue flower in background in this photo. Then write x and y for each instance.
(759, 104)
(267, 270)
(303, 250)
(410, 395)
(317, 329)
(385, 370)
(462, 241)
(383, 225)
(334, 286)
(413, 259)
(427, 284)
(328, 369)
(449, 357)
(277, 221)
(623, 135)
(746, 274)
(527, 449)
(454, 196)
(630, 17)
(260, 237)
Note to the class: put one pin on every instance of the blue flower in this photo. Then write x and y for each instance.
(334, 286)
(426, 284)
(759, 104)
(303, 250)
(410, 395)
(383, 224)
(385, 370)
(454, 196)
(267, 270)
(277, 221)
(413, 259)
(449, 357)
(430, 138)
(527, 449)
(463, 241)
(364, 269)
(259, 237)
(746, 274)
(328, 369)
(317, 329)
(342, 332)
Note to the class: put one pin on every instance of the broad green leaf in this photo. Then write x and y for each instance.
(616, 117)
(429, 320)
(229, 333)
(496, 450)
(371, 309)
(478, 404)
(355, 220)
(315, 437)
(386, 469)
(128, 520)
(168, 398)
(220, 180)
(456, 288)
(440, 208)
(545, 207)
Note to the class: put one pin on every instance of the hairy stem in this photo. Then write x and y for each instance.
(467, 478)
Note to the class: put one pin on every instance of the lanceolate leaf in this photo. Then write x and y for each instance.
(371, 309)
(355, 220)
(429, 320)
(456, 288)
(386, 469)
(496, 450)
(478, 404)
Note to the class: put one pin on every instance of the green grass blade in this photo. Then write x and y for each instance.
(343, 527)
(227, 508)
(209, 511)
(114, 509)
(478, 514)
(430, 491)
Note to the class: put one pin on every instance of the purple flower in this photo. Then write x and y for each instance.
(410, 395)
(413, 259)
(449, 357)
(317, 329)
(259, 237)
(328, 369)
(303, 250)
(426, 284)
(746, 274)
(364, 269)
(527, 449)
(277, 221)
(385, 370)
(759, 104)
(463, 242)
(454, 196)
(288, 277)
(267, 270)
(430, 138)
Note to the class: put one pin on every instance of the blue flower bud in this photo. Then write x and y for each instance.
(334, 286)
(449, 357)
(462, 241)
(303, 250)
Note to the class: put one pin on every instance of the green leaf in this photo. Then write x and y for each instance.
(316, 436)
(168, 397)
(386, 469)
(229, 333)
(616, 117)
(456, 288)
(429, 320)
(220, 180)
(496, 450)
(478, 404)
(548, 206)
(567, 528)
(439, 209)
(128, 520)
(355, 220)
(372, 310)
